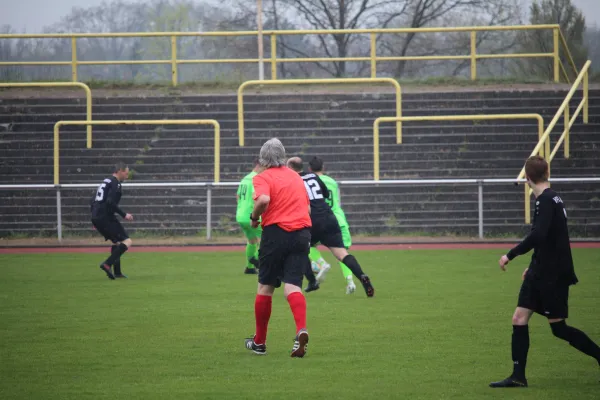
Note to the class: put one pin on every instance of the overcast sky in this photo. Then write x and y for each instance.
(32, 15)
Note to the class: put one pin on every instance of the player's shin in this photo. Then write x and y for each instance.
(315, 255)
(520, 348)
(251, 255)
(116, 253)
(117, 264)
(262, 314)
(353, 265)
(345, 270)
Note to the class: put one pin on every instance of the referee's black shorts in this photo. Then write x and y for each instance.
(548, 299)
(283, 256)
(111, 229)
(326, 230)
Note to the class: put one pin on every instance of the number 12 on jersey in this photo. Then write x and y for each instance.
(313, 189)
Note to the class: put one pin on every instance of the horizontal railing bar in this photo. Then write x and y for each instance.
(341, 182)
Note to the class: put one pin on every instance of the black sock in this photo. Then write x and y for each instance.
(520, 347)
(353, 265)
(117, 251)
(309, 274)
(117, 264)
(576, 338)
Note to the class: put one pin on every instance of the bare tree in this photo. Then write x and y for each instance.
(432, 13)
(572, 25)
(338, 14)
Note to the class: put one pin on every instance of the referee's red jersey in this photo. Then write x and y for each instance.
(289, 203)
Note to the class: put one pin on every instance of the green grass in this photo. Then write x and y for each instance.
(438, 328)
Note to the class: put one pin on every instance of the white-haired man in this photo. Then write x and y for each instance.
(282, 203)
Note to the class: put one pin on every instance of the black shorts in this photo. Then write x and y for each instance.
(326, 231)
(283, 256)
(547, 299)
(111, 229)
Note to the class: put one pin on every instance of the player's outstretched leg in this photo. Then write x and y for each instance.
(520, 348)
(342, 255)
(576, 338)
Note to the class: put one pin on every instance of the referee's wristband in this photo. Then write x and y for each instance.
(253, 219)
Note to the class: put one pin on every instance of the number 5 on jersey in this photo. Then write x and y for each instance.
(100, 192)
(313, 189)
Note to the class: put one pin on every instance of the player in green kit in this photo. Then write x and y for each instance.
(245, 205)
(319, 264)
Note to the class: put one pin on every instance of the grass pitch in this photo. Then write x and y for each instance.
(438, 328)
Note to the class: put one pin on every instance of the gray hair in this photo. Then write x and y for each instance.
(272, 154)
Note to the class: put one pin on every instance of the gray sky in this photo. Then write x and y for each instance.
(32, 15)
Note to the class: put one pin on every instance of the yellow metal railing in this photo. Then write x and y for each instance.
(373, 58)
(354, 81)
(568, 121)
(88, 97)
(214, 123)
(476, 117)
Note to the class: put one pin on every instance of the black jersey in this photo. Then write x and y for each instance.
(549, 237)
(105, 202)
(317, 194)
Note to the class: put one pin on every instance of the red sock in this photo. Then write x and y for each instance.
(298, 306)
(262, 313)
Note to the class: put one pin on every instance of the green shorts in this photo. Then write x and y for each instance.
(346, 236)
(250, 232)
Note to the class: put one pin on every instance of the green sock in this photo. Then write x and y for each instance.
(314, 254)
(345, 270)
(251, 250)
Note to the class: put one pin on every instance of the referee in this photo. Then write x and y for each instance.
(545, 288)
(282, 203)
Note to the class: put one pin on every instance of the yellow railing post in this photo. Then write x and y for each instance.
(555, 33)
(393, 82)
(56, 153)
(527, 204)
(214, 123)
(473, 55)
(567, 132)
(540, 134)
(174, 60)
(376, 150)
(586, 96)
(373, 55)
(74, 59)
(547, 147)
(273, 56)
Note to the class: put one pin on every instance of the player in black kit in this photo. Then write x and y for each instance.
(325, 228)
(105, 204)
(545, 288)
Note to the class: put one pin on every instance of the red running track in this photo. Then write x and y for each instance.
(196, 249)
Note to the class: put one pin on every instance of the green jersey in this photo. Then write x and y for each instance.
(334, 199)
(245, 202)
